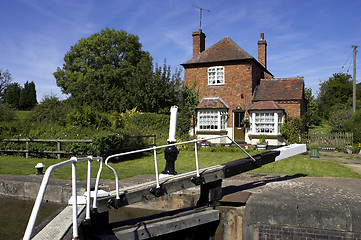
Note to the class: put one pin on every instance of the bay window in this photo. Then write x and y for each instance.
(211, 119)
(266, 122)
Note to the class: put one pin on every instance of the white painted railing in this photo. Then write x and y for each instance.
(44, 183)
(74, 160)
(154, 149)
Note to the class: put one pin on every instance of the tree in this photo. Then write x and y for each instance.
(98, 70)
(12, 95)
(312, 116)
(334, 93)
(27, 99)
(187, 101)
(5, 80)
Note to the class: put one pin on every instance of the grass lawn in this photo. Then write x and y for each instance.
(303, 164)
(144, 165)
(300, 164)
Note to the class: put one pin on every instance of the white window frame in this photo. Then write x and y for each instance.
(216, 75)
(211, 119)
(266, 122)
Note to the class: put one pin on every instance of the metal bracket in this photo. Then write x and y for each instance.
(117, 203)
(198, 180)
(158, 191)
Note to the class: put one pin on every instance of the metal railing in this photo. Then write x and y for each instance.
(74, 160)
(44, 183)
(154, 149)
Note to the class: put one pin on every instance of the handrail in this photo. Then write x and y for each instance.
(44, 183)
(154, 148)
(74, 160)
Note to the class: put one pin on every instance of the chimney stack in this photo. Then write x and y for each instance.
(262, 51)
(199, 42)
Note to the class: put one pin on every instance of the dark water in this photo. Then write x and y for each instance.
(14, 216)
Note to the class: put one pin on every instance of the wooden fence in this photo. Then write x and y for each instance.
(329, 141)
(49, 146)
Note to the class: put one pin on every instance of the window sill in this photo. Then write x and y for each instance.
(268, 136)
(211, 131)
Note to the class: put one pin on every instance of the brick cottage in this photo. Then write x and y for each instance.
(238, 96)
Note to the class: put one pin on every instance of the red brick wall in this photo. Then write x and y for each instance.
(294, 109)
(240, 80)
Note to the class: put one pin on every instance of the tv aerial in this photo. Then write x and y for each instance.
(200, 14)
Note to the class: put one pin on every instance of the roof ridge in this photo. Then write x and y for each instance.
(229, 49)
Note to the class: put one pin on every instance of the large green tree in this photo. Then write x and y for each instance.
(100, 71)
(334, 94)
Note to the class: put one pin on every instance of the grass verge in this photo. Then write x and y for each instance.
(303, 164)
(145, 165)
(300, 164)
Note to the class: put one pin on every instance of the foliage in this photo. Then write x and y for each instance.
(5, 80)
(12, 95)
(292, 129)
(51, 110)
(98, 70)
(106, 145)
(353, 125)
(156, 92)
(334, 93)
(27, 99)
(109, 71)
(21, 98)
(147, 124)
(338, 118)
(262, 139)
(314, 145)
(6, 113)
(86, 116)
(312, 115)
(187, 102)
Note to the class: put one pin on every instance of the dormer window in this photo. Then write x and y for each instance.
(216, 76)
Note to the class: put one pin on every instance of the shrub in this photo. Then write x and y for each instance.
(338, 118)
(292, 129)
(6, 113)
(86, 116)
(109, 144)
(353, 125)
(51, 110)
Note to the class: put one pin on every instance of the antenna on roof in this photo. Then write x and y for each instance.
(200, 14)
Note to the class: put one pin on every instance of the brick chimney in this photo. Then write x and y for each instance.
(199, 42)
(262, 51)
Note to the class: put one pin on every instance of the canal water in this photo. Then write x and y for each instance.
(14, 216)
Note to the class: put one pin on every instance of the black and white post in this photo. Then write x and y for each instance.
(171, 152)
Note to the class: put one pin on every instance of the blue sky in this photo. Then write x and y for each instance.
(310, 38)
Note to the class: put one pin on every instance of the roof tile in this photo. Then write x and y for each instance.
(224, 50)
(215, 102)
(277, 89)
(266, 105)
